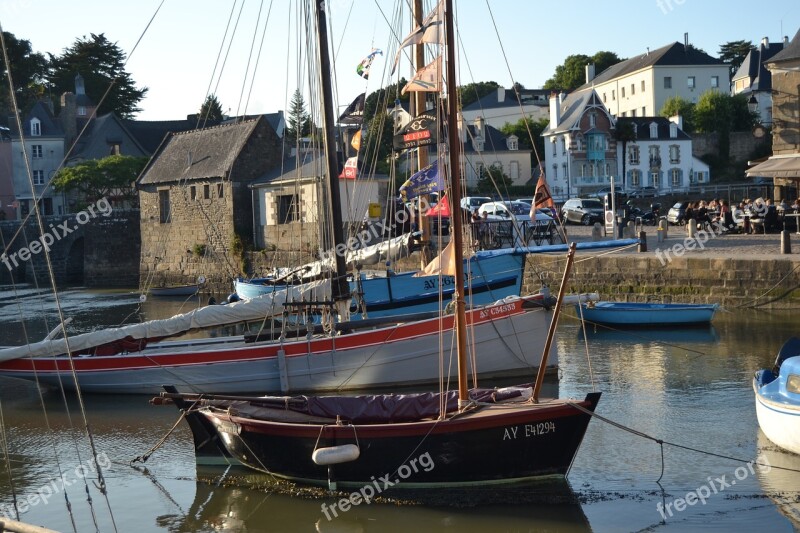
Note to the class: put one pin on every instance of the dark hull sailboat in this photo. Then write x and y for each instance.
(506, 441)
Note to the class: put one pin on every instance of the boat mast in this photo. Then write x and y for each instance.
(422, 151)
(454, 142)
(341, 288)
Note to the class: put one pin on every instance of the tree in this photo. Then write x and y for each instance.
(624, 133)
(572, 73)
(675, 105)
(28, 70)
(211, 110)
(493, 180)
(299, 124)
(472, 92)
(100, 178)
(521, 128)
(734, 52)
(101, 63)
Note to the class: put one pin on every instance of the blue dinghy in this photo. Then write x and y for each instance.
(646, 314)
(777, 392)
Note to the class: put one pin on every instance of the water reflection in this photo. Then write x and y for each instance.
(781, 486)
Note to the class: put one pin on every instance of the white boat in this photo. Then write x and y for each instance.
(777, 395)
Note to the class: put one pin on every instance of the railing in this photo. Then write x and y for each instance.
(493, 234)
(655, 161)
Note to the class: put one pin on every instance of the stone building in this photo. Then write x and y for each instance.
(196, 207)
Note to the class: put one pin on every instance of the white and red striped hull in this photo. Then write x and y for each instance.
(508, 339)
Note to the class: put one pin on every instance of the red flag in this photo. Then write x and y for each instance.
(442, 208)
(350, 169)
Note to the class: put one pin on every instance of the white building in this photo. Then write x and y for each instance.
(641, 85)
(502, 107)
(754, 80)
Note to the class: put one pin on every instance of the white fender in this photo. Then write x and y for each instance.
(336, 454)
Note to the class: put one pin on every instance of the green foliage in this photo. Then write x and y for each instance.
(472, 92)
(675, 105)
(378, 101)
(210, 111)
(28, 71)
(520, 129)
(299, 123)
(572, 74)
(238, 249)
(493, 180)
(100, 178)
(376, 146)
(624, 132)
(734, 52)
(102, 65)
(199, 250)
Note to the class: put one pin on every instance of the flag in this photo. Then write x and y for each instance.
(542, 196)
(425, 181)
(356, 142)
(427, 79)
(427, 33)
(354, 114)
(363, 68)
(440, 209)
(350, 171)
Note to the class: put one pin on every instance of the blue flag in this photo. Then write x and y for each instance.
(425, 181)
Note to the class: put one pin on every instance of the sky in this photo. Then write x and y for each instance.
(504, 41)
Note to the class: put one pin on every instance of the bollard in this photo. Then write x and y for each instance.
(597, 232)
(660, 234)
(691, 225)
(786, 244)
(642, 241)
(620, 227)
(663, 224)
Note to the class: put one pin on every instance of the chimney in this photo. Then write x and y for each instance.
(501, 95)
(479, 127)
(555, 110)
(677, 120)
(589, 72)
(765, 42)
(785, 41)
(686, 42)
(80, 87)
(68, 118)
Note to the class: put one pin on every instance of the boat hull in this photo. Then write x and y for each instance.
(499, 443)
(509, 336)
(490, 279)
(647, 314)
(780, 421)
(181, 290)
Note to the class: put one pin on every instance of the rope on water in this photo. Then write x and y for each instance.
(146, 455)
(662, 442)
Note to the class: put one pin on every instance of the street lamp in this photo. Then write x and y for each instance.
(752, 104)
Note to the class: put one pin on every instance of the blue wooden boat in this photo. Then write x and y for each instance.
(777, 393)
(175, 290)
(646, 314)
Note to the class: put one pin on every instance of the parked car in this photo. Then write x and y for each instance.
(677, 213)
(602, 193)
(584, 211)
(471, 203)
(644, 192)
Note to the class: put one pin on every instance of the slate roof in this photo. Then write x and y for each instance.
(642, 126)
(199, 154)
(754, 67)
(312, 165)
(150, 133)
(493, 141)
(572, 109)
(50, 125)
(790, 51)
(527, 96)
(670, 55)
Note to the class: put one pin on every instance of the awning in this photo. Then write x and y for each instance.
(777, 166)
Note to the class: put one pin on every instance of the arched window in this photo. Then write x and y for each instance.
(36, 127)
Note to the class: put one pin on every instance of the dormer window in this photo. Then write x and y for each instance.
(673, 130)
(653, 130)
(36, 127)
(512, 142)
(81, 111)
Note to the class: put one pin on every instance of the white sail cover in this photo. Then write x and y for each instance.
(205, 317)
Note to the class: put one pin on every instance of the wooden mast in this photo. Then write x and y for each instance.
(454, 146)
(340, 288)
(422, 151)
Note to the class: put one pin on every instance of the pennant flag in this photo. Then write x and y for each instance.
(350, 171)
(420, 131)
(440, 209)
(356, 142)
(542, 196)
(427, 33)
(425, 181)
(354, 114)
(427, 79)
(363, 68)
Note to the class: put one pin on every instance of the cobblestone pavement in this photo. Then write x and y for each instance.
(708, 245)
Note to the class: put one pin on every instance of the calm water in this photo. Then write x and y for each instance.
(690, 387)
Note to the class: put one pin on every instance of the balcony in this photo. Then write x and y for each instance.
(655, 161)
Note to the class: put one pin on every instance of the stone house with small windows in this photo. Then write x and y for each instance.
(640, 86)
(195, 203)
(485, 146)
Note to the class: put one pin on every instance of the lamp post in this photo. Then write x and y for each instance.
(752, 103)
